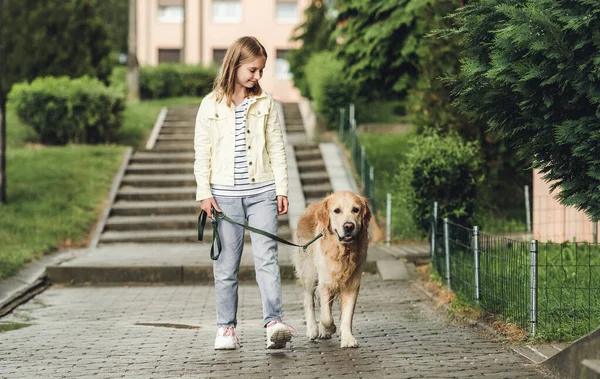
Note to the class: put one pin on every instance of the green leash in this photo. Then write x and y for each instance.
(217, 239)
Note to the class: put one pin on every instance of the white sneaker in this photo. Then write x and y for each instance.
(278, 335)
(226, 338)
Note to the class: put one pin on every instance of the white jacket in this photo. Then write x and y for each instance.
(214, 143)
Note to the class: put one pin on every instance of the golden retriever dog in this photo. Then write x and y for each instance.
(333, 265)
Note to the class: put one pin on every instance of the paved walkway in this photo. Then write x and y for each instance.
(168, 332)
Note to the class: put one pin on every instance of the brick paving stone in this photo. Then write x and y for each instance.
(95, 332)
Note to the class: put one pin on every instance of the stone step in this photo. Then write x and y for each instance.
(319, 177)
(156, 194)
(148, 208)
(170, 130)
(172, 236)
(298, 148)
(307, 155)
(176, 180)
(179, 124)
(154, 222)
(311, 165)
(180, 137)
(160, 168)
(174, 147)
(317, 190)
(164, 222)
(591, 368)
(160, 157)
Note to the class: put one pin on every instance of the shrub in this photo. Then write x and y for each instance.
(63, 110)
(329, 88)
(445, 169)
(174, 80)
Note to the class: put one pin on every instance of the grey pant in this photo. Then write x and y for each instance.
(261, 212)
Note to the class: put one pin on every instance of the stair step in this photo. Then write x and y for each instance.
(311, 165)
(157, 157)
(319, 177)
(171, 236)
(174, 147)
(298, 148)
(176, 180)
(141, 208)
(160, 168)
(307, 155)
(156, 193)
(317, 190)
(180, 137)
(165, 222)
(154, 222)
(592, 366)
(178, 124)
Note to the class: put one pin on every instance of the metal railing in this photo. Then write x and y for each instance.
(349, 137)
(550, 290)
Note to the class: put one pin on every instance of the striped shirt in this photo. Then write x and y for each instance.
(242, 186)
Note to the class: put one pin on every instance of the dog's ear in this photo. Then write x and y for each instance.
(366, 212)
(323, 213)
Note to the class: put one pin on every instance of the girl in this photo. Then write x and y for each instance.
(241, 170)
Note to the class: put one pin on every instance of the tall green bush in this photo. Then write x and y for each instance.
(530, 70)
(445, 169)
(63, 110)
(329, 88)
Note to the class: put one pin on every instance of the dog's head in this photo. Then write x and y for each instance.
(345, 214)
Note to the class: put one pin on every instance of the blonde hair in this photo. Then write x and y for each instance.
(243, 50)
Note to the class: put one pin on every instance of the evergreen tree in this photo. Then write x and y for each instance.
(530, 70)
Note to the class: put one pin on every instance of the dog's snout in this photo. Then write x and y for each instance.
(348, 227)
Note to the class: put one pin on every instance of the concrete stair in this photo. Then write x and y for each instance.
(156, 199)
(293, 118)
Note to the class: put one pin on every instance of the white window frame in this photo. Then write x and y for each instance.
(219, 10)
(171, 14)
(290, 19)
(282, 67)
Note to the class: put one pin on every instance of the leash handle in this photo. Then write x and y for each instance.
(216, 238)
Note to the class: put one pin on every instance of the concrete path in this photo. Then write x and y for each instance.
(168, 332)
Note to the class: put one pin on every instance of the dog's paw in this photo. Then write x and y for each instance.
(312, 332)
(348, 341)
(326, 333)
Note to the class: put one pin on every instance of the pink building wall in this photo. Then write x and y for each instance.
(555, 222)
(203, 35)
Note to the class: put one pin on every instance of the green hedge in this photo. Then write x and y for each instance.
(175, 80)
(329, 88)
(63, 110)
(445, 169)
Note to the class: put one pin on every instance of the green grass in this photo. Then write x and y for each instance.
(568, 285)
(385, 152)
(55, 194)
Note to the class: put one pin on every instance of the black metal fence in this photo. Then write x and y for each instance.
(550, 290)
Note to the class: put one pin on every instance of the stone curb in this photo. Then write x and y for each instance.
(149, 275)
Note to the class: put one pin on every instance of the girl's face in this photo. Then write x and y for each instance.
(249, 74)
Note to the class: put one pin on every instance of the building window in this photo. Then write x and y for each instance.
(286, 11)
(227, 11)
(170, 11)
(169, 55)
(218, 56)
(282, 66)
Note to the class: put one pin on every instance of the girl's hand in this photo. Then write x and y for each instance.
(207, 204)
(282, 205)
